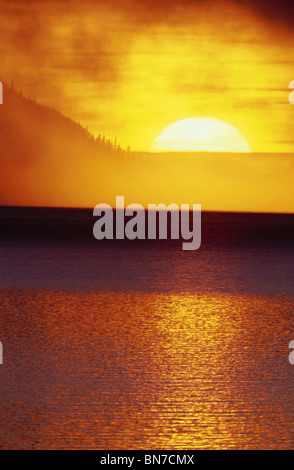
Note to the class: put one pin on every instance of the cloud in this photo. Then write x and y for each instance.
(156, 10)
(127, 68)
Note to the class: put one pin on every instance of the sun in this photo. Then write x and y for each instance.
(200, 134)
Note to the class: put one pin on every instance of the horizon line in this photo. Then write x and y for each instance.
(85, 208)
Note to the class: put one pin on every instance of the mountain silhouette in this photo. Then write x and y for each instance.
(42, 152)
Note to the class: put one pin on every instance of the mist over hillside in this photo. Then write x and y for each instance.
(48, 159)
(44, 152)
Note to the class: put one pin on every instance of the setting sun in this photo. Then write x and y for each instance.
(200, 134)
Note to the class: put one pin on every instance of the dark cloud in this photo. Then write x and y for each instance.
(275, 11)
(157, 10)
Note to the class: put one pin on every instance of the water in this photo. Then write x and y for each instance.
(139, 345)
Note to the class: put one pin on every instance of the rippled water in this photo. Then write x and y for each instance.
(120, 347)
(151, 371)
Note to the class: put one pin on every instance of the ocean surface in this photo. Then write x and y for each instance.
(140, 345)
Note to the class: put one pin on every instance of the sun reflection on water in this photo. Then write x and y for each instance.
(152, 371)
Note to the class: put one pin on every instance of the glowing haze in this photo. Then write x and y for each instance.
(137, 72)
(128, 69)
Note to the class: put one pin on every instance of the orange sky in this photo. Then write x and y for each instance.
(128, 69)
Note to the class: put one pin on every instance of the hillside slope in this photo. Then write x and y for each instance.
(45, 154)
